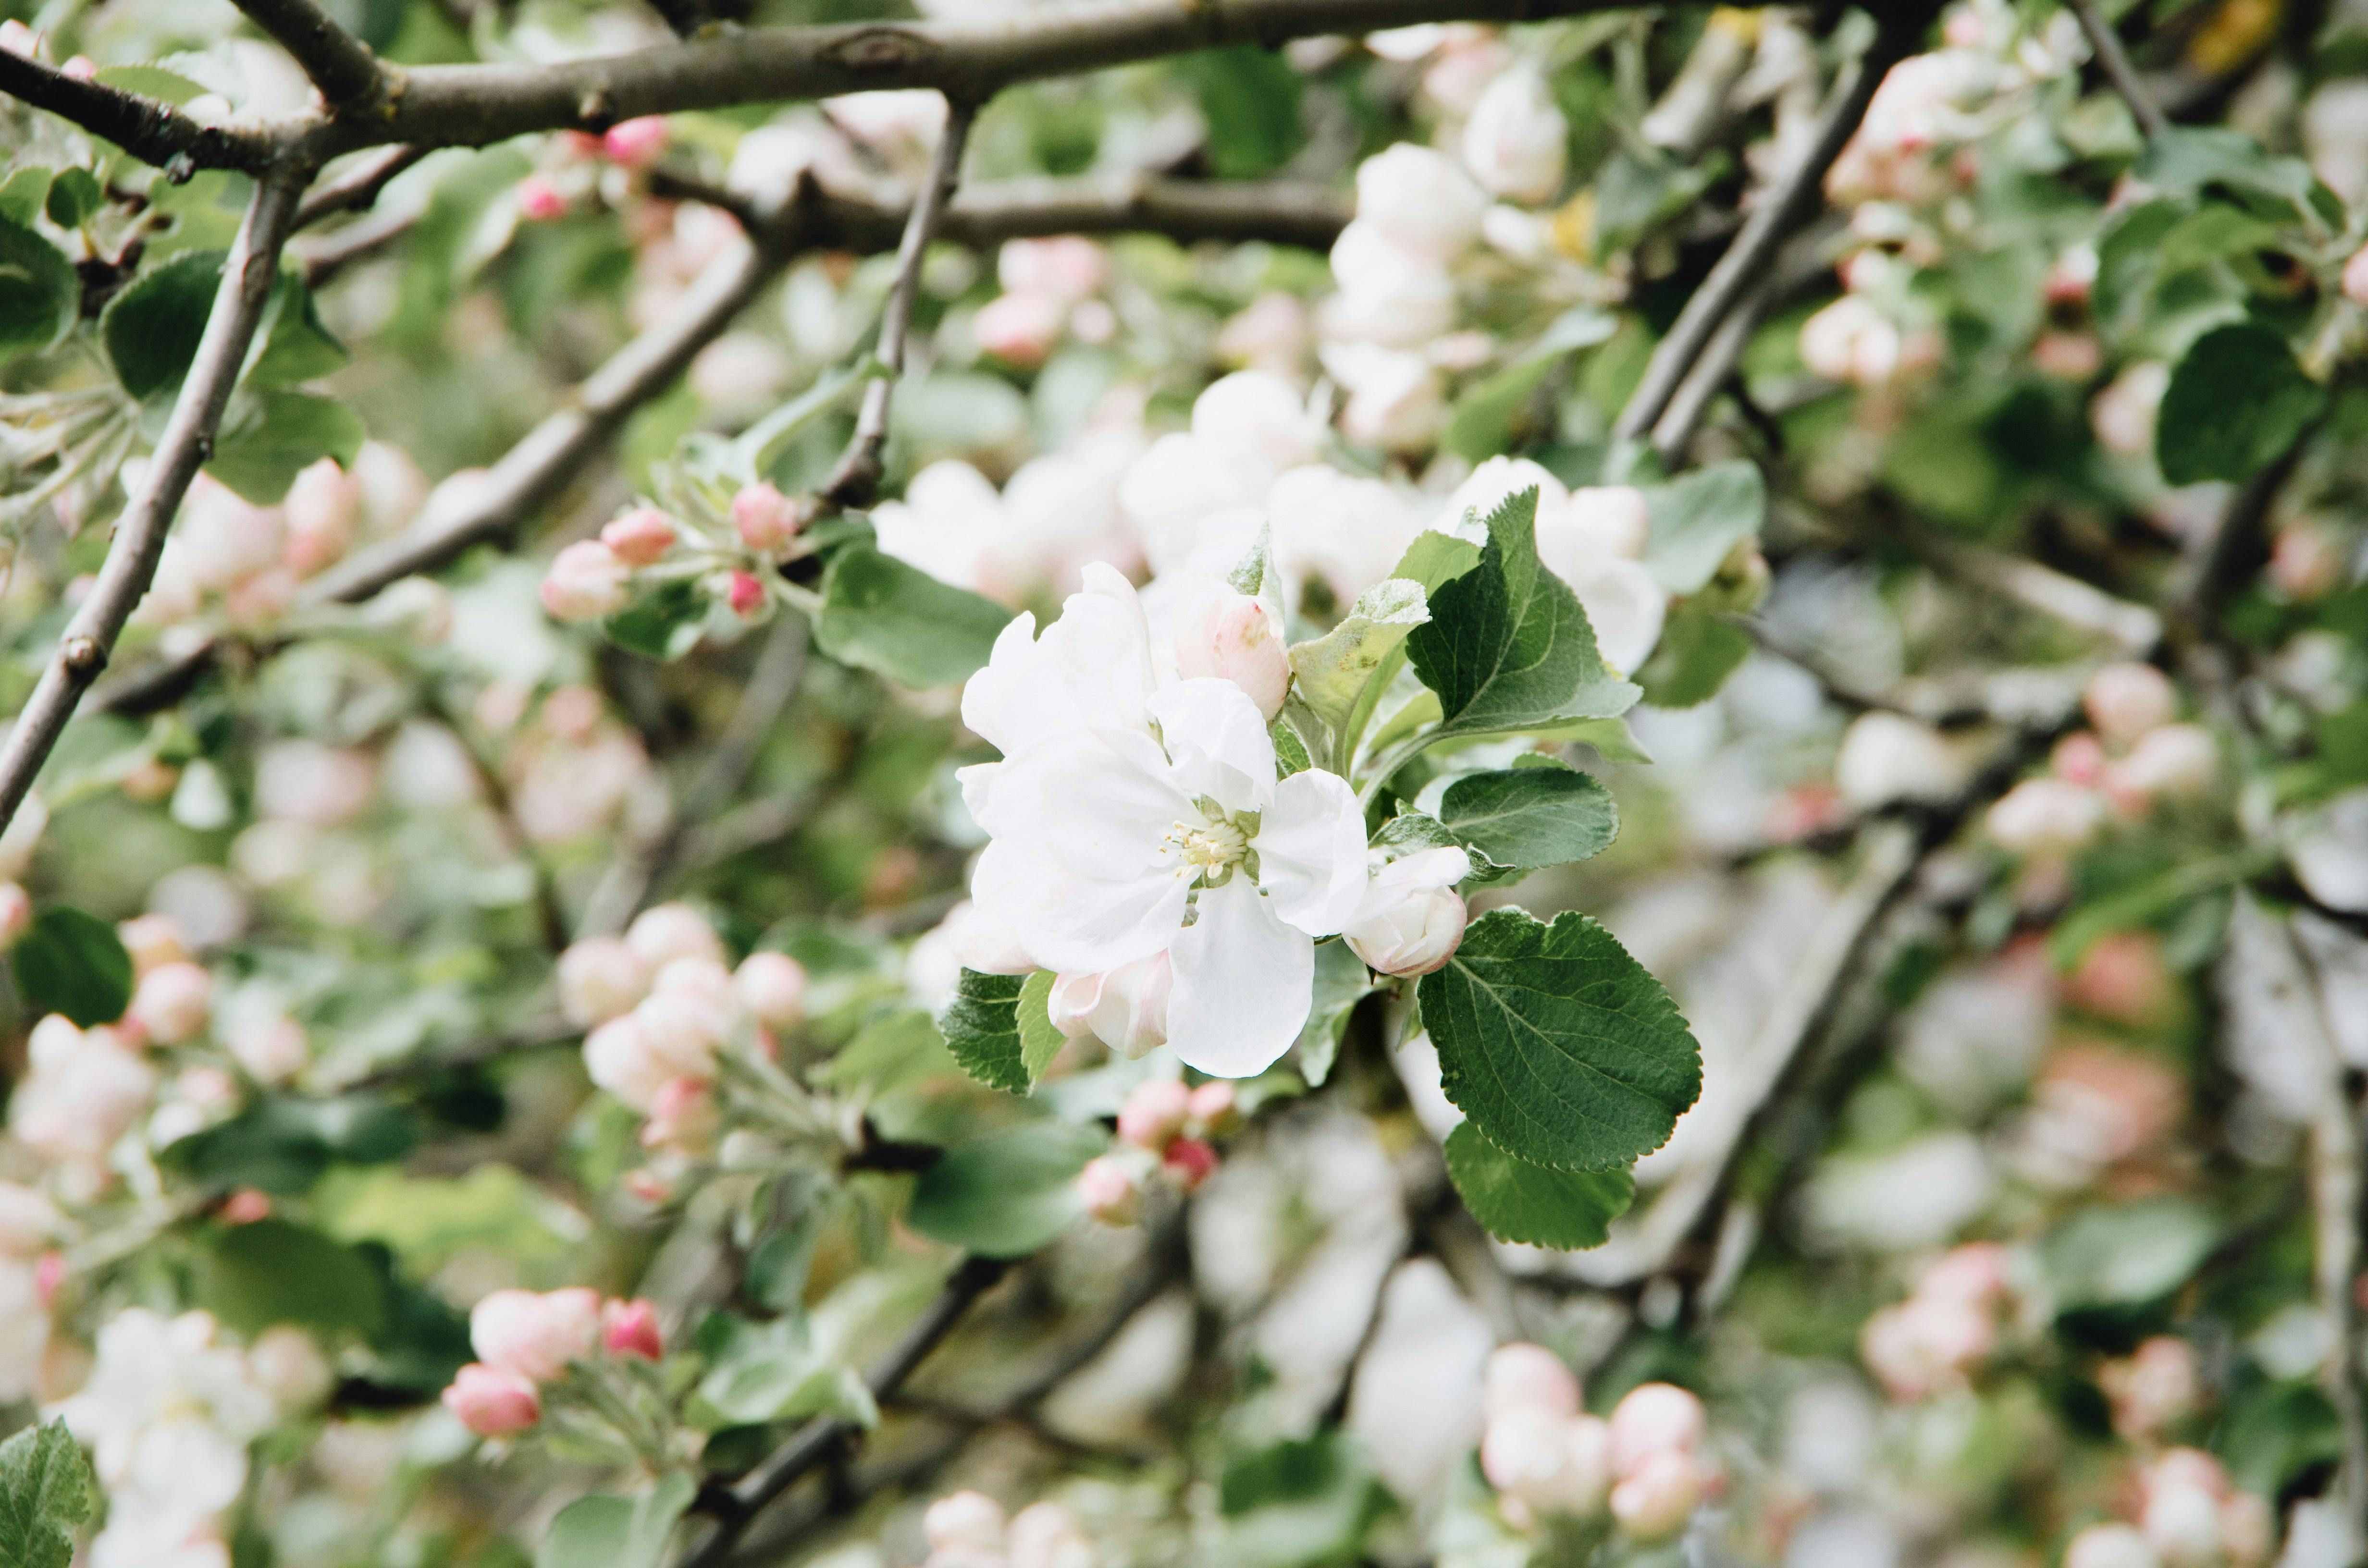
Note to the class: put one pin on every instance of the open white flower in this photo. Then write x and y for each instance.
(1130, 818)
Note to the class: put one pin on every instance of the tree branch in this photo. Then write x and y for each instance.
(188, 440)
(358, 189)
(340, 64)
(148, 129)
(2114, 61)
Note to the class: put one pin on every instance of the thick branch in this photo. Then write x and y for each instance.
(340, 64)
(187, 441)
(857, 479)
(969, 62)
(148, 129)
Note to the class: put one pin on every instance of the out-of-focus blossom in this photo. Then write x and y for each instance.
(2153, 1388)
(1516, 142)
(1887, 756)
(1125, 1008)
(587, 580)
(492, 1402)
(2047, 817)
(535, 1335)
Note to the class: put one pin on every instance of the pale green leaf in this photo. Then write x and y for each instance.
(45, 1492)
(617, 1532)
(1009, 1193)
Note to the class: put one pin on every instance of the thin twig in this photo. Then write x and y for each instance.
(187, 442)
(358, 189)
(822, 1438)
(857, 479)
(1783, 209)
(148, 129)
(2335, 1204)
(349, 75)
(2114, 61)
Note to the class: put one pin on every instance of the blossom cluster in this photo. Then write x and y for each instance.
(1548, 1459)
(526, 1341)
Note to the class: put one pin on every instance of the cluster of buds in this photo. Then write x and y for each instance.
(2153, 1388)
(967, 1529)
(526, 1341)
(2187, 1514)
(1549, 1459)
(733, 557)
(1164, 1131)
(578, 166)
(1931, 1342)
(1050, 287)
(661, 1007)
(2134, 755)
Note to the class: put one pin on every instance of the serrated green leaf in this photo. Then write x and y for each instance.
(1560, 1047)
(1529, 817)
(617, 1532)
(999, 1027)
(45, 1491)
(269, 436)
(1009, 1193)
(151, 328)
(1517, 1202)
(41, 294)
(1332, 672)
(1341, 982)
(1697, 518)
(72, 962)
(1290, 752)
(2237, 400)
(1507, 645)
(1435, 560)
(880, 614)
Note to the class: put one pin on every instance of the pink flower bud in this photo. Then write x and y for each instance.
(539, 200)
(2305, 564)
(1655, 1503)
(1527, 1376)
(635, 142)
(2152, 1388)
(767, 520)
(82, 68)
(15, 913)
(2356, 276)
(640, 538)
(1154, 1112)
(492, 1402)
(746, 594)
(683, 1115)
(246, 1207)
(631, 1328)
(963, 1519)
(2175, 760)
(1548, 1461)
(151, 939)
(1211, 1107)
(600, 978)
(1108, 1189)
(1234, 637)
(586, 581)
(1189, 1161)
(2079, 758)
(664, 932)
(1653, 1418)
(2124, 701)
(49, 1273)
(535, 1337)
(1020, 329)
(321, 509)
(173, 1002)
(20, 40)
(2123, 977)
(772, 986)
(2248, 1531)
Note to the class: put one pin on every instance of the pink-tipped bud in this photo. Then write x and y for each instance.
(246, 1207)
(635, 142)
(172, 1003)
(1154, 1112)
(1189, 1161)
(20, 40)
(492, 1402)
(773, 987)
(49, 1273)
(534, 1336)
(631, 1328)
(1234, 637)
(1020, 329)
(586, 581)
(1525, 1376)
(2304, 563)
(640, 538)
(744, 594)
(15, 913)
(1655, 1503)
(1109, 1191)
(767, 520)
(539, 200)
(2124, 701)
(683, 1115)
(82, 68)
(2079, 758)
(151, 939)
(1653, 1418)
(1212, 1106)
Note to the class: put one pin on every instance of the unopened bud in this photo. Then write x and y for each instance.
(641, 537)
(2124, 701)
(635, 142)
(631, 1328)
(767, 520)
(1232, 636)
(1656, 1502)
(492, 1402)
(772, 986)
(1412, 919)
(1211, 1107)
(1154, 1112)
(1189, 1161)
(172, 1003)
(744, 594)
(586, 581)
(1108, 1189)
(539, 200)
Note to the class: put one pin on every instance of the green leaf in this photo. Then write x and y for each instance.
(1528, 817)
(1517, 1202)
(149, 82)
(151, 328)
(41, 294)
(1298, 1503)
(74, 196)
(999, 1027)
(297, 345)
(2128, 1254)
(268, 1272)
(772, 1372)
(1697, 652)
(617, 1532)
(1249, 96)
(882, 615)
(2184, 160)
(1697, 518)
(24, 195)
(1290, 752)
(1507, 645)
(1341, 982)
(45, 1491)
(2236, 403)
(663, 624)
(1009, 1193)
(72, 962)
(270, 436)
(1484, 417)
(283, 1145)
(1435, 560)
(1560, 1047)
(1331, 674)
(1612, 737)
(754, 451)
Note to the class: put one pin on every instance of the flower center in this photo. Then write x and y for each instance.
(1207, 851)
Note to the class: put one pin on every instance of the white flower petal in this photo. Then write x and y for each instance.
(1244, 983)
(1217, 740)
(1311, 849)
(1419, 873)
(1091, 669)
(1625, 606)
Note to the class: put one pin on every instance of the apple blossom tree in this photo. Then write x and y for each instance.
(792, 784)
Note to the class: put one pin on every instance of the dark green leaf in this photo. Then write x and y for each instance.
(151, 328)
(270, 436)
(999, 1027)
(74, 196)
(1250, 98)
(1561, 1048)
(1696, 653)
(2236, 403)
(882, 615)
(24, 195)
(72, 962)
(664, 624)
(297, 345)
(39, 293)
(1300, 1503)
(271, 1271)
(617, 1532)
(1517, 1202)
(1006, 1194)
(1529, 817)
(45, 1491)
(283, 1145)
(1507, 645)
(1697, 518)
